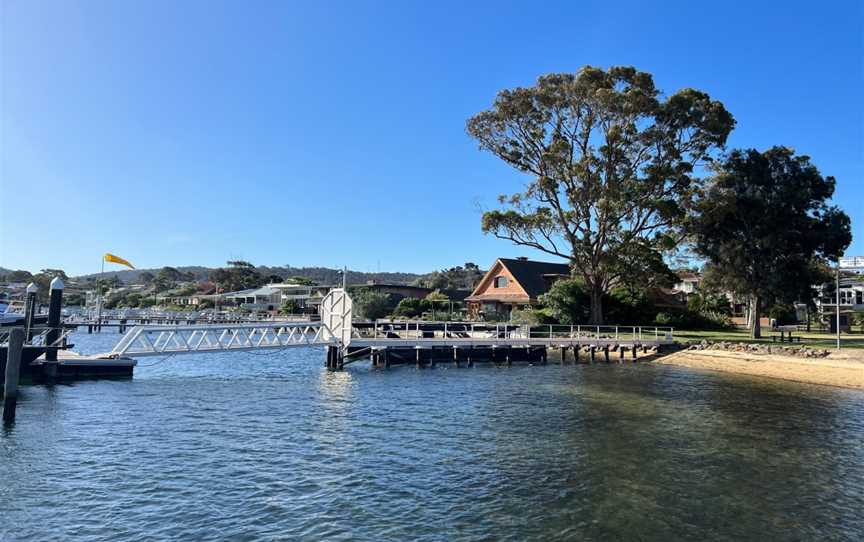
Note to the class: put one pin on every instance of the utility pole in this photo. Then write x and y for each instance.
(837, 291)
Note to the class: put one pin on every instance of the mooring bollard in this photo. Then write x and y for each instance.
(13, 373)
(29, 310)
(55, 304)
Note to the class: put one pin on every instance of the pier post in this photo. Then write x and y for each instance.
(634, 352)
(13, 373)
(55, 304)
(620, 353)
(507, 356)
(592, 352)
(417, 351)
(470, 361)
(29, 310)
(563, 355)
(456, 356)
(606, 353)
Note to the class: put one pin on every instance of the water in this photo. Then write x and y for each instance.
(254, 446)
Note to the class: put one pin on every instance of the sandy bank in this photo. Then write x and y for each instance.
(844, 369)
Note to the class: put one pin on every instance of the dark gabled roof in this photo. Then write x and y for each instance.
(530, 274)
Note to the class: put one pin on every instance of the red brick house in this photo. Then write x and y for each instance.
(513, 283)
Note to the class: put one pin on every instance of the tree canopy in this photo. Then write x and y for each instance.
(611, 167)
(461, 277)
(239, 275)
(764, 224)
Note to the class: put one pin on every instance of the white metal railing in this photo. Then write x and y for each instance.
(38, 337)
(420, 330)
(160, 340)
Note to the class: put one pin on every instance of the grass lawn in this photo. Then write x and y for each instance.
(816, 340)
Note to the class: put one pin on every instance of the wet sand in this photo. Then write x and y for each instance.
(843, 369)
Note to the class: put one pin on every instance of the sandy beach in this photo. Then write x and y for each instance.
(843, 369)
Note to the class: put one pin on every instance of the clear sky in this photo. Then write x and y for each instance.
(333, 133)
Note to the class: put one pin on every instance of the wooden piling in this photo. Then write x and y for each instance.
(606, 353)
(592, 351)
(13, 373)
(55, 305)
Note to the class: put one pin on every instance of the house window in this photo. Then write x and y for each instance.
(501, 282)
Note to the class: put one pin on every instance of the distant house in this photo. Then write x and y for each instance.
(851, 301)
(305, 297)
(688, 282)
(513, 283)
(261, 299)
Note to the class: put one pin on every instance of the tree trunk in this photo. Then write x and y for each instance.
(756, 316)
(596, 306)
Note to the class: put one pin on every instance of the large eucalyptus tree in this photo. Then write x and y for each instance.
(611, 164)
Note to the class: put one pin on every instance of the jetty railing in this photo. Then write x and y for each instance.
(161, 340)
(39, 336)
(420, 330)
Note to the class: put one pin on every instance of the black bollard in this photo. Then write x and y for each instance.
(29, 311)
(13, 372)
(55, 303)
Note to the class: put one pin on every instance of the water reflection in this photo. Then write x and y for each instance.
(241, 446)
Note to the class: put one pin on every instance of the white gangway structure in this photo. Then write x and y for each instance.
(334, 329)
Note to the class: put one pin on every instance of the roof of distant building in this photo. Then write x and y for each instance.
(531, 274)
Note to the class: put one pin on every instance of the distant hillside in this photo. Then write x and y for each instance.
(321, 275)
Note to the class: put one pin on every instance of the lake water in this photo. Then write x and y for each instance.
(270, 446)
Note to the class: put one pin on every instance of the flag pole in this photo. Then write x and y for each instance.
(99, 291)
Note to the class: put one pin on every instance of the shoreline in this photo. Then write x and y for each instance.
(843, 369)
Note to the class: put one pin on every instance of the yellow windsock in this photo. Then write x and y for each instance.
(117, 259)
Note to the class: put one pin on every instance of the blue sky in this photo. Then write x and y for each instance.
(332, 133)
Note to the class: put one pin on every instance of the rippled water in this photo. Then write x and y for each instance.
(252, 446)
